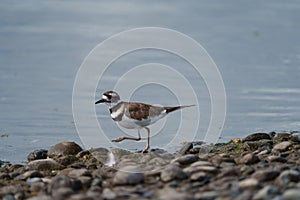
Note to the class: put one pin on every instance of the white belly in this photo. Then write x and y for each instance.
(130, 123)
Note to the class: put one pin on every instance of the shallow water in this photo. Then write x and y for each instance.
(255, 45)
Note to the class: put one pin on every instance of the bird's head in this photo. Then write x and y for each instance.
(109, 97)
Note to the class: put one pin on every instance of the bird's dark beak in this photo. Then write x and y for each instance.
(100, 101)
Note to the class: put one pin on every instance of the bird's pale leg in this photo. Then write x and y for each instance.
(148, 141)
(128, 138)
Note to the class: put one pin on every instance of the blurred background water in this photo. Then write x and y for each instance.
(255, 44)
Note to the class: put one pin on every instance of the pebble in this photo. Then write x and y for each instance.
(64, 149)
(249, 159)
(101, 154)
(59, 182)
(248, 183)
(207, 195)
(41, 197)
(75, 173)
(265, 175)
(288, 176)
(129, 175)
(193, 169)
(44, 165)
(37, 154)
(267, 192)
(282, 146)
(33, 180)
(172, 172)
(200, 177)
(243, 170)
(257, 137)
(186, 159)
(29, 174)
(273, 158)
(291, 194)
(246, 169)
(172, 194)
(186, 148)
(62, 193)
(201, 163)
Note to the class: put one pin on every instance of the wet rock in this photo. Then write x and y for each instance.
(43, 165)
(282, 146)
(172, 172)
(248, 183)
(267, 192)
(129, 175)
(257, 137)
(265, 175)
(249, 159)
(186, 148)
(288, 176)
(64, 149)
(291, 194)
(186, 159)
(37, 154)
(108, 194)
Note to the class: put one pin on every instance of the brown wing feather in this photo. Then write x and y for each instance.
(138, 111)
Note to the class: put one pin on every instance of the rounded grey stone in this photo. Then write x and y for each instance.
(282, 146)
(265, 175)
(267, 192)
(248, 183)
(172, 172)
(288, 176)
(186, 159)
(291, 194)
(249, 159)
(64, 149)
(129, 175)
(37, 154)
(45, 164)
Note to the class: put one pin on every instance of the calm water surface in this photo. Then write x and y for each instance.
(255, 44)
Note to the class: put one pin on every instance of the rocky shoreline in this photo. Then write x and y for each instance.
(260, 166)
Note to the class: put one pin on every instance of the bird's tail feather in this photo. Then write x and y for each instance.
(171, 109)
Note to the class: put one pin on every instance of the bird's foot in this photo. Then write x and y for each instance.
(146, 150)
(118, 139)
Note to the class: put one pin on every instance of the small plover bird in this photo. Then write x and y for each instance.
(132, 115)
